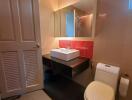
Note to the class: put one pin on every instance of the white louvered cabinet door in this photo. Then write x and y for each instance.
(30, 45)
(10, 72)
(20, 53)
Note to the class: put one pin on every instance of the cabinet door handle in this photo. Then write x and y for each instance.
(37, 45)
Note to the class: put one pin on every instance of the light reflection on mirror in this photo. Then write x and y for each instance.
(70, 24)
(84, 25)
(130, 4)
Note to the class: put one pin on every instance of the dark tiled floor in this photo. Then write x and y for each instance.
(61, 88)
(12, 98)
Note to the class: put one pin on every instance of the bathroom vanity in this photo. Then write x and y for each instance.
(69, 69)
(59, 77)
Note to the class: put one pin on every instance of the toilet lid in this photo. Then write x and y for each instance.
(99, 91)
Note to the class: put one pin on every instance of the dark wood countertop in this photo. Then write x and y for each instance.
(72, 63)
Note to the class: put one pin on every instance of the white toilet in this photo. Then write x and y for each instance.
(105, 83)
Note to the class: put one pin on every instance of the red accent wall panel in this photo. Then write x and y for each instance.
(85, 47)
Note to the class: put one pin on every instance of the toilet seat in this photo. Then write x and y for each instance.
(99, 91)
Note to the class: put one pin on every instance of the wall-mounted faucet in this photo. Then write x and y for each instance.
(69, 45)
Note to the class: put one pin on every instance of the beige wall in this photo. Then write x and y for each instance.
(47, 25)
(113, 39)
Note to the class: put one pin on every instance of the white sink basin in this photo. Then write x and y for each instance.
(65, 54)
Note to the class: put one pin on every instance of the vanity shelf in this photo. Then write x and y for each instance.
(69, 69)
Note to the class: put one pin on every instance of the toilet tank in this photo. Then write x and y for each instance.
(107, 74)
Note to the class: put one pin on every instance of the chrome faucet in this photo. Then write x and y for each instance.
(69, 45)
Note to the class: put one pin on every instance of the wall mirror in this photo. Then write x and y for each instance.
(75, 19)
